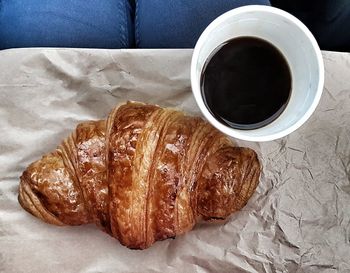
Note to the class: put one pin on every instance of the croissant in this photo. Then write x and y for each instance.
(146, 174)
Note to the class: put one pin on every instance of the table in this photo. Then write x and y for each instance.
(297, 221)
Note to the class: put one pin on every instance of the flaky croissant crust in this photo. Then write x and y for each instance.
(145, 174)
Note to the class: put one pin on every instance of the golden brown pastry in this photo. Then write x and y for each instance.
(146, 174)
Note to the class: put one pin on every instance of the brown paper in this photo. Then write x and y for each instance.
(297, 221)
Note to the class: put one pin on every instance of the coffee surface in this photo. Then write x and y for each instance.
(246, 83)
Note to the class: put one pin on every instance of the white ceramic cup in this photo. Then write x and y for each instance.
(296, 43)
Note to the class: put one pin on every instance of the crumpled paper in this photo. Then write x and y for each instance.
(297, 221)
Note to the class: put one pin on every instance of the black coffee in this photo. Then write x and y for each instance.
(246, 83)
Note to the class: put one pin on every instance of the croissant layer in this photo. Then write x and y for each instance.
(145, 174)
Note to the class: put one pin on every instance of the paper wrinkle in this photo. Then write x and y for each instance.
(297, 221)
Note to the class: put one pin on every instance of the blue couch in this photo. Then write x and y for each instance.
(149, 23)
(108, 23)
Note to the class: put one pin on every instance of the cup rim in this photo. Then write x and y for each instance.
(196, 90)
